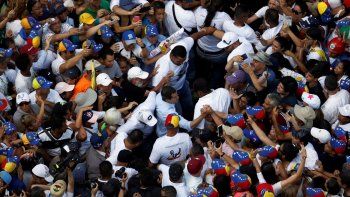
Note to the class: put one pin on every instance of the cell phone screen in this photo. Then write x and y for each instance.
(219, 131)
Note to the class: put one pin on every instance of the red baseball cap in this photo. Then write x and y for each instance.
(29, 49)
(195, 164)
(336, 46)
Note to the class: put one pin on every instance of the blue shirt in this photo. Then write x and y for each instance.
(162, 110)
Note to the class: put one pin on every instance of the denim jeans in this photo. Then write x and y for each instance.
(185, 105)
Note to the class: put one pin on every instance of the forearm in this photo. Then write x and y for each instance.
(294, 38)
(121, 12)
(70, 63)
(119, 29)
(81, 136)
(218, 34)
(3, 22)
(50, 104)
(262, 136)
(41, 114)
(196, 121)
(59, 37)
(255, 81)
(154, 59)
(300, 64)
(144, 52)
(93, 30)
(100, 106)
(217, 119)
(198, 35)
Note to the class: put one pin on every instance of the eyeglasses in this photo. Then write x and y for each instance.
(296, 12)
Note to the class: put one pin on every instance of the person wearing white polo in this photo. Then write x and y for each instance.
(65, 90)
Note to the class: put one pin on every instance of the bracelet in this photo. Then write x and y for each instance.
(222, 155)
(122, 188)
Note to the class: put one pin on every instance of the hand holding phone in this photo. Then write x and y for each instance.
(244, 56)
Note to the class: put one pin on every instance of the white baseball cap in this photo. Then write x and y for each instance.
(311, 100)
(113, 117)
(64, 87)
(136, 72)
(103, 79)
(68, 4)
(345, 110)
(22, 97)
(90, 63)
(147, 117)
(334, 3)
(42, 171)
(228, 39)
(321, 134)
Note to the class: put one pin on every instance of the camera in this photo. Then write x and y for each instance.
(119, 173)
(70, 156)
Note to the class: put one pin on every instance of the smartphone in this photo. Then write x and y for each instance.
(218, 143)
(136, 19)
(244, 56)
(219, 131)
(245, 116)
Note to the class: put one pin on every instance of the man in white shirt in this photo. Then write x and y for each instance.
(336, 98)
(173, 176)
(24, 78)
(343, 118)
(185, 18)
(165, 105)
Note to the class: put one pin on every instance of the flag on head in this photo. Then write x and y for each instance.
(338, 146)
(236, 120)
(314, 192)
(209, 191)
(241, 157)
(251, 135)
(257, 111)
(241, 181)
(268, 151)
(220, 167)
(340, 134)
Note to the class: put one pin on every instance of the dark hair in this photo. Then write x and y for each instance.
(316, 71)
(315, 33)
(251, 172)
(135, 136)
(345, 174)
(331, 83)
(30, 5)
(241, 11)
(104, 52)
(289, 151)
(23, 62)
(285, 44)
(197, 150)
(169, 191)
(279, 61)
(251, 97)
(269, 173)
(200, 84)
(145, 175)
(37, 192)
(346, 66)
(179, 51)
(215, 6)
(289, 84)
(272, 16)
(302, 5)
(106, 168)
(158, 5)
(333, 186)
(56, 122)
(166, 92)
(222, 184)
(321, 65)
(175, 172)
(318, 182)
(111, 188)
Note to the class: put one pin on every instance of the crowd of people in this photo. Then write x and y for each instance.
(175, 98)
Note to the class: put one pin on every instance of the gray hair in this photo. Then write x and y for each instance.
(275, 99)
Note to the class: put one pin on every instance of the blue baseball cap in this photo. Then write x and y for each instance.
(6, 177)
(106, 32)
(33, 138)
(89, 116)
(6, 53)
(151, 30)
(66, 45)
(129, 37)
(41, 82)
(96, 47)
(97, 139)
(9, 128)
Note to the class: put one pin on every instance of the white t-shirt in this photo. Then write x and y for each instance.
(311, 159)
(47, 32)
(167, 150)
(55, 66)
(185, 17)
(181, 189)
(3, 84)
(330, 107)
(52, 97)
(118, 145)
(261, 13)
(127, 54)
(129, 171)
(219, 100)
(269, 34)
(166, 65)
(244, 48)
(246, 31)
(117, 3)
(23, 83)
(208, 43)
(45, 138)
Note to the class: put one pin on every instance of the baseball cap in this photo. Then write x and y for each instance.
(72, 73)
(336, 46)
(113, 117)
(89, 116)
(125, 156)
(6, 177)
(41, 82)
(86, 18)
(219, 166)
(321, 134)
(66, 45)
(106, 32)
(58, 188)
(96, 47)
(234, 131)
(262, 57)
(22, 97)
(6, 53)
(151, 30)
(68, 4)
(64, 87)
(241, 157)
(268, 151)
(103, 79)
(241, 181)
(209, 191)
(236, 120)
(340, 134)
(33, 39)
(28, 49)
(251, 135)
(228, 39)
(9, 127)
(237, 77)
(84, 99)
(147, 117)
(305, 114)
(334, 3)
(9, 151)
(30, 23)
(344, 110)
(257, 112)
(338, 146)
(41, 170)
(172, 120)
(97, 139)
(10, 164)
(129, 37)
(90, 63)
(136, 72)
(3, 102)
(264, 190)
(30, 138)
(314, 192)
(311, 100)
(195, 164)
(59, 9)
(344, 83)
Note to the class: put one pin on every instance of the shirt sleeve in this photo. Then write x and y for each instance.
(162, 71)
(38, 65)
(261, 12)
(155, 155)
(261, 177)
(113, 3)
(277, 188)
(185, 124)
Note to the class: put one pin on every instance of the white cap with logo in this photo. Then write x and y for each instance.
(228, 39)
(147, 117)
(136, 72)
(103, 79)
(42, 171)
(22, 97)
